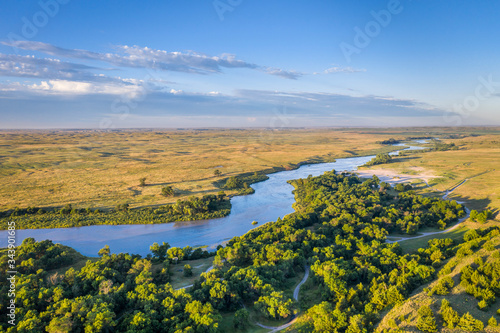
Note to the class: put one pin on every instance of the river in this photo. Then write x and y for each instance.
(273, 198)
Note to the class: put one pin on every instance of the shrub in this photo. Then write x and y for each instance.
(188, 271)
(450, 316)
(168, 191)
(426, 321)
(241, 319)
(443, 287)
(233, 183)
(469, 323)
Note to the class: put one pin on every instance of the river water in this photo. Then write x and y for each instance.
(273, 198)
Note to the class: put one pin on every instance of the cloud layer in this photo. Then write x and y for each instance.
(145, 57)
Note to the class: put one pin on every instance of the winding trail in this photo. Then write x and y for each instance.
(445, 196)
(296, 297)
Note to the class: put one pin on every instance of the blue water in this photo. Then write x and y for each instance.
(273, 198)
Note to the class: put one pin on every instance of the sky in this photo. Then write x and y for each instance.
(240, 63)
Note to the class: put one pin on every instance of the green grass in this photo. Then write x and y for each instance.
(226, 325)
(177, 278)
(412, 245)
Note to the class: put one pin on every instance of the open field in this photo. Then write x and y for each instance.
(102, 169)
(177, 278)
(476, 160)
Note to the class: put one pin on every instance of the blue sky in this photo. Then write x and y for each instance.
(241, 63)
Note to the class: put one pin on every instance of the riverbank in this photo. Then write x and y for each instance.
(100, 170)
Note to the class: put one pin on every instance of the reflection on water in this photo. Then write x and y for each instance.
(273, 198)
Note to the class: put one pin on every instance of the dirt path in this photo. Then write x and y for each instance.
(190, 285)
(439, 232)
(296, 297)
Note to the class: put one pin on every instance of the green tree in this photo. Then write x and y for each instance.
(159, 251)
(217, 173)
(327, 319)
(275, 305)
(233, 183)
(188, 271)
(241, 319)
(104, 251)
(175, 252)
(142, 181)
(399, 187)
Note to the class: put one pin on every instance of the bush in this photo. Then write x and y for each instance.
(188, 271)
(426, 321)
(450, 316)
(470, 324)
(241, 319)
(380, 159)
(233, 183)
(168, 191)
(443, 287)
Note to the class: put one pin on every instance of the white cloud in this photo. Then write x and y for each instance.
(145, 57)
(338, 69)
(293, 75)
(176, 92)
(74, 88)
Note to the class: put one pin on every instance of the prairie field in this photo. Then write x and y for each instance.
(476, 161)
(100, 169)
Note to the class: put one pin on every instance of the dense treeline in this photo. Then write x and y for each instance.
(206, 207)
(390, 141)
(370, 205)
(338, 229)
(382, 158)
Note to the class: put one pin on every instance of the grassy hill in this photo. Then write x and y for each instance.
(473, 253)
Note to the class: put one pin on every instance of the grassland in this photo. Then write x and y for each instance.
(102, 169)
(97, 169)
(476, 160)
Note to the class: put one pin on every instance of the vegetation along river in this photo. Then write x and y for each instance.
(272, 199)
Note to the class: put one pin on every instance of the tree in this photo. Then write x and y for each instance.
(159, 251)
(168, 191)
(142, 181)
(327, 319)
(175, 252)
(217, 173)
(426, 321)
(104, 251)
(188, 270)
(233, 183)
(241, 319)
(492, 322)
(275, 305)
(399, 187)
